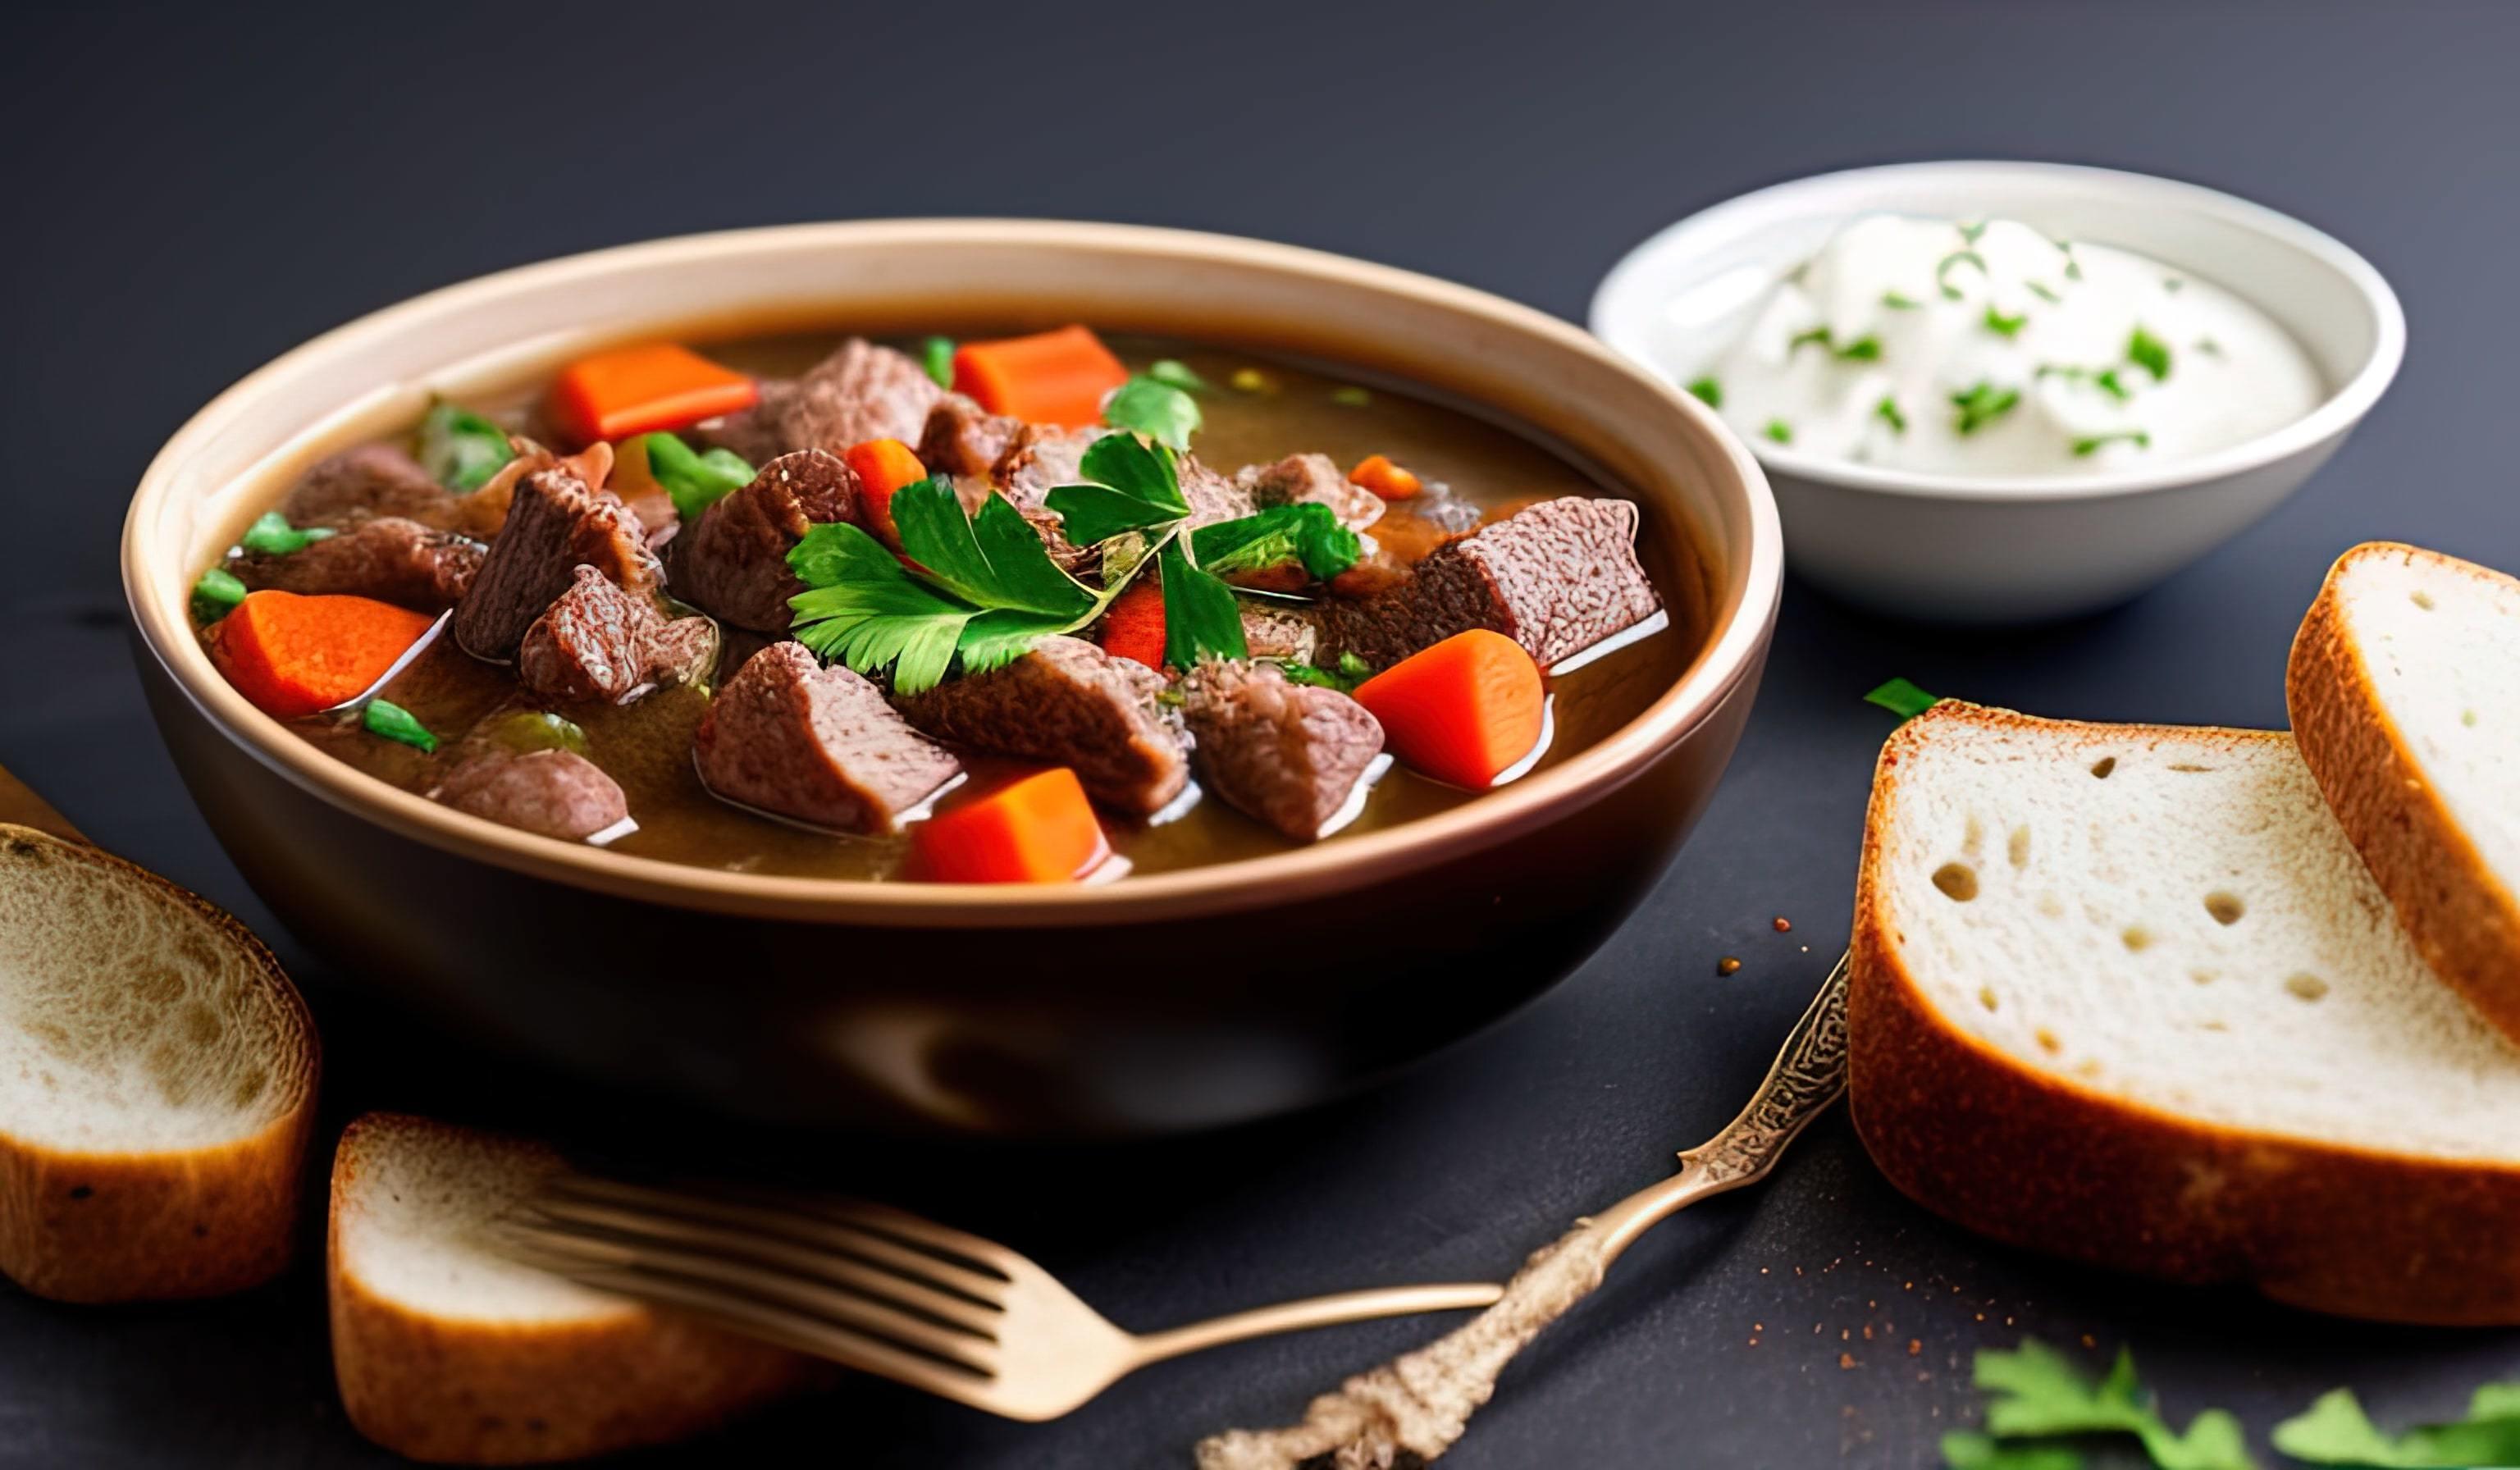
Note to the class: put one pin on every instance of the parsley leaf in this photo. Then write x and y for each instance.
(2004, 326)
(2039, 1392)
(1982, 405)
(863, 608)
(693, 481)
(2335, 1430)
(215, 595)
(1306, 531)
(1708, 391)
(1158, 410)
(992, 560)
(2092, 444)
(936, 355)
(1902, 699)
(1130, 486)
(271, 535)
(1943, 267)
(1887, 410)
(1968, 1450)
(2149, 353)
(1174, 372)
(1202, 618)
(460, 449)
(395, 723)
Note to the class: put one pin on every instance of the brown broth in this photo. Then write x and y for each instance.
(646, 745)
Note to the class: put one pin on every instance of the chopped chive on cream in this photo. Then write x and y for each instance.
(1864, 350)
(2072, 267)
(215, 595)
(1351, 396)
(2045, 293)
(2173, 284)
(1982, 405)
(2087, 447)
(2103, 379)
(1897, 303)
(1887, 411)
(2004, 326)
(1173, 373)
(1708, 391)
(2209, 346)
(1779, 430)
(1970, 233)
(1943, 270)
(2149, 353)
(395, 723)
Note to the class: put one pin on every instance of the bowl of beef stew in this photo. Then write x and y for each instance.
(1004, 678)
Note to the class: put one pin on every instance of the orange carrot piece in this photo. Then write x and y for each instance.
(883, 466)
(293, 655)
(1377, 473)
(1055, 377)
(1038, 829)
(638, 390)
(1133, 627)
(1464, 711)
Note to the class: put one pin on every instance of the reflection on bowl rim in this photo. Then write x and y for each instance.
(1732, 649)
(2343, 405)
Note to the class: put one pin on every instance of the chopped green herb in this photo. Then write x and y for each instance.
(2085, 447)
(460, 449)
(1897, 303)
(2149, 353)
(2104, 378)
(1968, 1450)
(271, 535)
(1887, 410)
(1351, 672)
(2173, 284)
(1943, 267)
(2107, 380)
(1158, 410)
(1306, 531)
(936, 354)
(1202, 618)
(2072, 267)
(1130, 486)
(215, 595)
(1779, 430)
(1708, 391)
(2209, 346)
(395, 723)
(1172, 371)
(1902, 699)
(2335, 1430)
(2039, 1394)
(1252, 381)
(2042, 292)
(1982, 405)
(528, 730)
(1800, 339)
(2004, 326)
(693, 481)
(1864, 350)
(1350, 396)
(1970, 233)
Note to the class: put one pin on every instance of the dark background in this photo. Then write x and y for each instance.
(193, 194)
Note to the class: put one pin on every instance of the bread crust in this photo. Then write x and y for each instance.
(2465, 922)
(2037, 1160)
(455, 1392)
(180, 1224)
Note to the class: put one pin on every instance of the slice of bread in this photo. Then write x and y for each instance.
(447, 1350)
(157, 1084)
(2404, 691)
(2127, 995)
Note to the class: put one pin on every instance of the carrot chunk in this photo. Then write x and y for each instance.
(1055, 377)
(1377, 473)
(883, 466)
(638, 390)
(1040, 829)
(1133, 626)
(293, 655)
(1464, 711)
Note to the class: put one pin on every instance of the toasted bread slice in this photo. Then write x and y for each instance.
(447, 1350)
(157, 1084)
(2126, 994)
(2404, 691)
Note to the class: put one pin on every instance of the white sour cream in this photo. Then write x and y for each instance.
(1992, 349)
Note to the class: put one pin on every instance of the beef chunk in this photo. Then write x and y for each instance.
(1278, 631)
(1556, 577)
(1040, 459)
(964, 439)
(1211, 496)
(597, 642)
(734, 561)
(820, 745)
(557, 793)
(859, 392)
(1069, 703)
(555, 524)
(1310, 479)
(389, 558)
(1289, 754)
(363, 483)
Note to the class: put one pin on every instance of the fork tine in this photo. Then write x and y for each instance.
(916, 1229)
(804, 1222)
(652, 1227)
(777, 1291)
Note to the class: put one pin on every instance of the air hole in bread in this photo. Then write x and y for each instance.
(2421, 599)
(1985, 996)
(2224, 906)
(2137, 938)
(2103, 766)
(2190, 769)
(1957, 880)
(2306, 985)
(2017, 847)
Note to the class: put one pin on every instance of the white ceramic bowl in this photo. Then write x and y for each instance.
(2018, 547)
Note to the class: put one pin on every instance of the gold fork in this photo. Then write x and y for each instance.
(887, 1292)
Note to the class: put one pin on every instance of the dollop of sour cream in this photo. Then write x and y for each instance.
(1990, 348)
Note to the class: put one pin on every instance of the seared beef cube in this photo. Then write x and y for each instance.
(1211, 496)
(1273, 631)
(597, 642)
(859, 392)
(1310, 479)
(1068, 703)
(365, 483)
(734, 562)
(820, 745)
(964, 439)
(391, 559)
(557, 793)
(1040, 459)
(1289, 754)
(555, 524)
(1556, 578)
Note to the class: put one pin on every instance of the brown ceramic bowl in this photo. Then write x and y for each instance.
(970, 1009)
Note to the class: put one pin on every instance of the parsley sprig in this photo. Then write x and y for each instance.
(2039, 1392)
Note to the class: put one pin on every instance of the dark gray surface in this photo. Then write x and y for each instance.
(194, 195)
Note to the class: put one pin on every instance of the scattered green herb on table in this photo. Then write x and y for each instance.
(460, 449)
(693, 481)
(1902, 699)
(2037, 1393)
(2335, 1430)
(936, 355)
(395, 723)
(271, 535)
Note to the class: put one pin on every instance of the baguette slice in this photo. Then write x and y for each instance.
(2126, 994)
(2405, 692)
(157, 1084)
(446, 1351)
